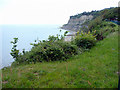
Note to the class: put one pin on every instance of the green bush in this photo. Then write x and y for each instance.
(85, 40)
(49, 51)
(53, 38)
(69, 49)
(54, 53)
(104, 29)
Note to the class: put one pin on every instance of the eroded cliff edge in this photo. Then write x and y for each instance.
(88, 20)
(75, 23)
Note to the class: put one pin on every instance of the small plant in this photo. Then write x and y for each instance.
(14, 52)
(53, 38)
(65, 33)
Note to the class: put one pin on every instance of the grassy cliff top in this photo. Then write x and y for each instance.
(96, 68)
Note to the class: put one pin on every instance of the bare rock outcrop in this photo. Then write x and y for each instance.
(74, 24)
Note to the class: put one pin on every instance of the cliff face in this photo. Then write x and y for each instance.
(75, 23)
(82, 20)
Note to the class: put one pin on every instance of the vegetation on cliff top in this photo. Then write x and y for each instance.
(53, 49)
(86, 24)
(107, 13)
(97, 67)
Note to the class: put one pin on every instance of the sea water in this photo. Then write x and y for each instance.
(26, 34)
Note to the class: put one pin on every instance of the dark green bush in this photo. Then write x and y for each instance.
(69, 49)
(49, 51)
(54, 53)
(85, 40)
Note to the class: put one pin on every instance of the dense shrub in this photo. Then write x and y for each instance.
(54, 53)
(104, 29)
(85, 40)
(48, 51)
(14, 52)
(68, 48)
(111, 13)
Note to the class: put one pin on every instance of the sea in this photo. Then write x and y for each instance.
(26, 34)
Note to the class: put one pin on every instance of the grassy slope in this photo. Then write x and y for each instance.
(95, 68)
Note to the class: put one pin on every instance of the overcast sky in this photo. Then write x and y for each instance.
(47, 11)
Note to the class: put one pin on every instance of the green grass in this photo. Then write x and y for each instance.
(96, 68)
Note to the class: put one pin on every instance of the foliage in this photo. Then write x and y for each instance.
(109, 14)
(104, 29)
(105, 14)
(96, 68)
(66, 32)
(94, 23)
(53, 38)
(49, 51)
(58, 37)
(84, 28)
(94, 13)
(68, 48)
(53, 49)
(54, 53)
(14, 52)
(85, 40)
(79, 71)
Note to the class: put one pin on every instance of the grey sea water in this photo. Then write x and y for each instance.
(26, 35)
